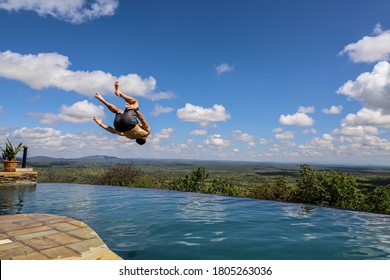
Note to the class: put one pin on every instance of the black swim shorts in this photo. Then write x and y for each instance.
(126, 121)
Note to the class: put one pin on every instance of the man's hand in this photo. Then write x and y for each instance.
(98, 120)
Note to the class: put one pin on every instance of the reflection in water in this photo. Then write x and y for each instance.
(12, 198)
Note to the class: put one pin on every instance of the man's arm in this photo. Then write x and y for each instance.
(106, 127)
(144, 124)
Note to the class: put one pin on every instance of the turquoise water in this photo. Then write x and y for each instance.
(158, 224)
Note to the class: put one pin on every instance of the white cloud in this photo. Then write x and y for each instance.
(192, 113)
(263, 141)
(370, 48)
(199, 132)
(333, 110)
(244, 137)
(216, 140)
(309, 131)
(300, 119)
(73, 11)
(79, 112)
(367, 117)
(285, 135)
(306, 110)
(360, 130)
(158, 109)
(165, 133)
(372, 89)
(224, 68)
(51, 70)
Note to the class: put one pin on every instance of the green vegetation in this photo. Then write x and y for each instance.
(351, 188)
(10, 151)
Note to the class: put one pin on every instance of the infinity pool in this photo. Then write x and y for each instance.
(158, 224)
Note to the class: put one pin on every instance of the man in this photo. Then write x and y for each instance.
(125, 122)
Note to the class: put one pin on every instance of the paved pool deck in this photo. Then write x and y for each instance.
(50, 237)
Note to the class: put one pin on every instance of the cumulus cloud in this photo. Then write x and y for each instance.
(79, 112)
(299, 119)
(367, 117)
(52, 70)
(360, 130)
(243, 137)
(370, 48)
(333, 110)
(217, 141)
(285, 135)
(306, 110)
(224, 68)
(372, 89)
(192, 113)
(199, 132)
(158, 110)
(73, 11)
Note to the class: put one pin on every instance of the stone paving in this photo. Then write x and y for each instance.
(50, 237)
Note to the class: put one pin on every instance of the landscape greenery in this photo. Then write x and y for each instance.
(355, 188)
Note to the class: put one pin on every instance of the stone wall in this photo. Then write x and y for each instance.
(18, 178)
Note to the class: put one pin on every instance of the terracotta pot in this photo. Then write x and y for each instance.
(10, 165)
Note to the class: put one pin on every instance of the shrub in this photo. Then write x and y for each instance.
(328, 188)
(121, 175)
(379, 199)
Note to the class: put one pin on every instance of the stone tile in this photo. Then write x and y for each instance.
(78, 223)
(64, 227)
(30, 223)
(28, 230)
(13, 218)
(10, 246)
(63, 238)
(85, 233)
(15, 252)
(85, 245)
(36, 234)
(32, 256)
(44, 217)
(59, 220)
(60, 252)
(41, 243)
(3, 236)
(4, 227)
(5, 241)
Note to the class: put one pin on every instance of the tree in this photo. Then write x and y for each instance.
(379, 199)
(328, 188)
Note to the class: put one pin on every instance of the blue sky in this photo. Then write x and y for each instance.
(287, 81)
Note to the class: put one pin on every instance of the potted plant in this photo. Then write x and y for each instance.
(9, 156)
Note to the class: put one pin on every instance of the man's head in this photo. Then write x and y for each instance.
(141, 141)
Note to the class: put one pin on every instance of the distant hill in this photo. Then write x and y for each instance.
(42, 161)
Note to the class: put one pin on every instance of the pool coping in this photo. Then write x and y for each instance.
(50, 237)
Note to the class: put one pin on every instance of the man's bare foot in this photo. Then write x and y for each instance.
(117, 91)
(99, 96)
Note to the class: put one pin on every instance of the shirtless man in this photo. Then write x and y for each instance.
(125, 122)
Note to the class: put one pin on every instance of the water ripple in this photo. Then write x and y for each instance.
(157, 224)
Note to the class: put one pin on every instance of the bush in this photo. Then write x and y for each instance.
(122, 175)
(379, 199)
(328, 188)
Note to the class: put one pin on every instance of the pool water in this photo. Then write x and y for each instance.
(158, 224)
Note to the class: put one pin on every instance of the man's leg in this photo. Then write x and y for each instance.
(133, 103)
(110, 106)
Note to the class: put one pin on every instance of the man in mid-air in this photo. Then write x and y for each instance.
(125, 122)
